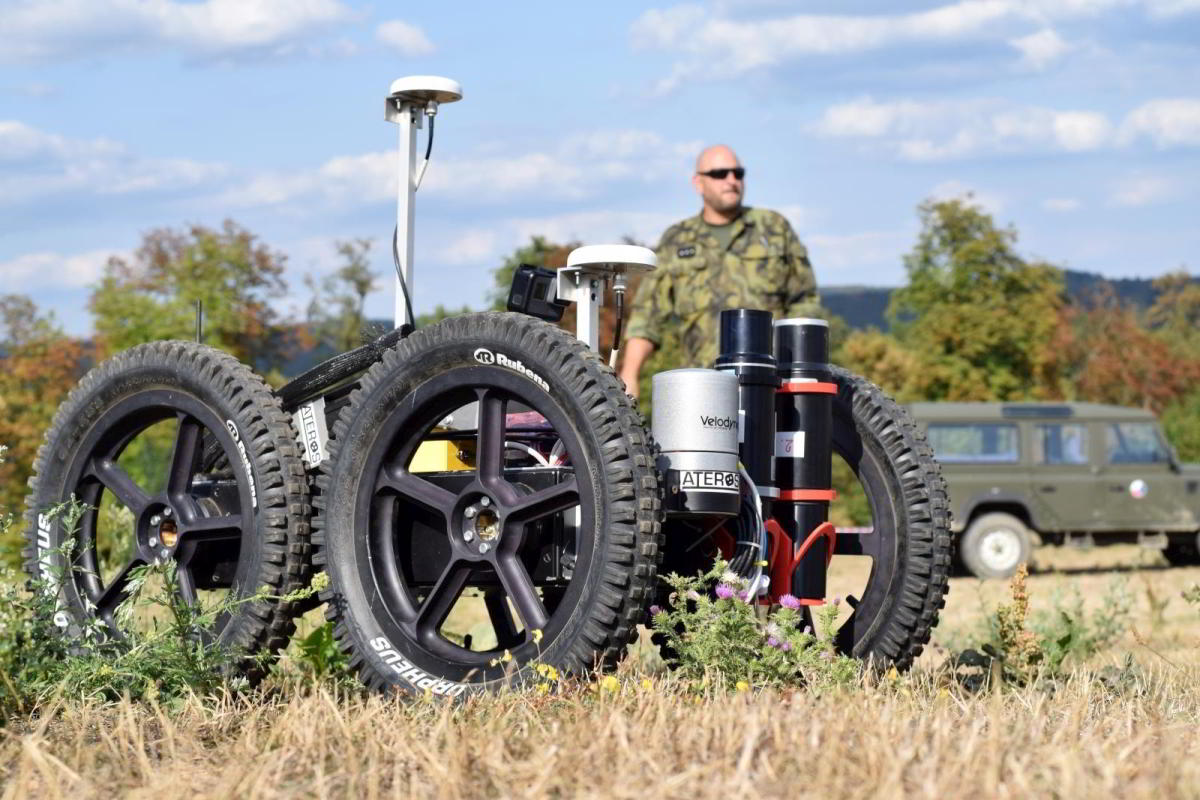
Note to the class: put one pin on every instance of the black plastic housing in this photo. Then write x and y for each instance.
(533, 292)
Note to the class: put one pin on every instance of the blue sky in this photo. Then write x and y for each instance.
(1077, 121)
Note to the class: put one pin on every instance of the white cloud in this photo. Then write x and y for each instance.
(1039, 50)
(471, 246)
(40, 164)
(713, 44)
(855, 258)
(1143, 190)
(32, 271)
(573, 169)
(935, 131)
(1061, 204)
(37, 31)
(1168, 122)
(407, 39)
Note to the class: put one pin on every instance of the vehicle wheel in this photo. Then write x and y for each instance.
(1183, 552)
(532, 534)
(994, 545)
(176, 451)
(909, 543)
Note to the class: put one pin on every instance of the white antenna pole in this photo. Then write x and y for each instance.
(406, 105)
(409, 120)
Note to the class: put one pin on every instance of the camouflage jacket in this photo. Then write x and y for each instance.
(764, 267)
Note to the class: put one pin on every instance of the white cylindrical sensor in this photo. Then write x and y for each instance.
(695, 423)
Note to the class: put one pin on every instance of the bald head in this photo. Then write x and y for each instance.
(719, 155)
(722, 196)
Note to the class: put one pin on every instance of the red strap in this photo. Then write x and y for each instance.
(825, 529)
(808, 387)
(826, 495)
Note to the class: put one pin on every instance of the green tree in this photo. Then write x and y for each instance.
(439, 313)
(1175, 313)
(335, 313)
(977, 316)
(38, 366)
(153, 294)
(1109, 356)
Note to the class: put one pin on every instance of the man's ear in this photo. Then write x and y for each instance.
(697, 183)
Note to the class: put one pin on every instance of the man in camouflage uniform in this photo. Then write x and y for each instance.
(727, 256)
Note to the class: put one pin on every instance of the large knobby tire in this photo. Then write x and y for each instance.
(995, 545)
(407, 547)
(229, 504)
(910, 545)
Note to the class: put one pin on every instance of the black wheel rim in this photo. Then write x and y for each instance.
(881, 543)
(202, 516)
(406, 512)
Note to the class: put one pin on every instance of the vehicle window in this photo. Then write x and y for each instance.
(975, 443)
(1135, 443)
(1058, 443)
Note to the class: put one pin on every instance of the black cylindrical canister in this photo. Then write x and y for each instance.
(803, 448)
(746, 350)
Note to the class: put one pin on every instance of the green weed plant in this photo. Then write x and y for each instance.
(715, 631)
(1018, 648)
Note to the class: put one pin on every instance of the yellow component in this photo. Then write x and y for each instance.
(441, 456)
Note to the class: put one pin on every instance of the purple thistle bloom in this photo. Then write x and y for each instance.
(744, 596)
(787, 646)
(790, 601)
(724, 591)
(772, 641)
(837, 601)
(655, 610)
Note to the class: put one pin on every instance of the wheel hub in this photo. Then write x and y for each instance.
(482, 525)
(1000, 549)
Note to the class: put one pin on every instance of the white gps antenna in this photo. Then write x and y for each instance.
(584, 279)
(408, 102)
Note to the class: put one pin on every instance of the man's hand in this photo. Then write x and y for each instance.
(636, 351)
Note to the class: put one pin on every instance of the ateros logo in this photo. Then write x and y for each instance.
(485, 356)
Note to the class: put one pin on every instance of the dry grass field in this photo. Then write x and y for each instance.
(1104, 731)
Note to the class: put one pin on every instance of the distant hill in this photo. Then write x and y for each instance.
(866, 306)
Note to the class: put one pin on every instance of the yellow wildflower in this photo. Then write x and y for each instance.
(537, 635)
(610, 684)
(742, 686)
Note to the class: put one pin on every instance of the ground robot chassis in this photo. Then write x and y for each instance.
(482, 493)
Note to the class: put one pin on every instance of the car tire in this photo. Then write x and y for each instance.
(1183, 552)
(249, 542)
(995, 545)
(384, 618)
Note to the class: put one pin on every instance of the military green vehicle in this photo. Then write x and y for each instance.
(1024, 474)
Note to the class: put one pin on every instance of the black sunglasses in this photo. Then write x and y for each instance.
(720, 174)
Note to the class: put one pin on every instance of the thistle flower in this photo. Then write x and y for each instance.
(790, 601)
(655, 610)
(724, 591)
(837, 601)
(786, 646)
(731, 577)
(692, 595)
(772, 641)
